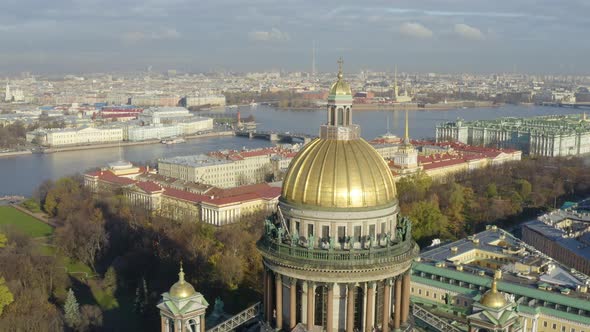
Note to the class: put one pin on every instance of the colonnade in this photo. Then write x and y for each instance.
(358, 306)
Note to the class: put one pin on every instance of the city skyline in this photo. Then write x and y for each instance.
(440, 36)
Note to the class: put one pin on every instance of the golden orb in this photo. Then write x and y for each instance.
(493, 298)
(329, 173)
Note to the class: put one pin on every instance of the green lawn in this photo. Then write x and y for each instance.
(23, 222)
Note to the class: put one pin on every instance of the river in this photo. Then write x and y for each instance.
(20, 175)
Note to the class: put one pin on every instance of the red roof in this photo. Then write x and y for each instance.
(108, 176)
(185, 195)
(149, 187)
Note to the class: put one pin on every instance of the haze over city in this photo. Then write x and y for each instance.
(443, 36)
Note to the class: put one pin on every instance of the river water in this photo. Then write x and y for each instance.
(20, 175)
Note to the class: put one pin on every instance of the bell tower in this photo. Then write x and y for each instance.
(182, 309)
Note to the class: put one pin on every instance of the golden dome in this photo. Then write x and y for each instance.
(493, 298)
(331, 173)
(181, 289)
(340, 88)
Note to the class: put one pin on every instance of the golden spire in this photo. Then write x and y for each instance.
(181, 274)
(407, 135)
(340, 62)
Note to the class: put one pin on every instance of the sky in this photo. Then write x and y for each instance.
(529, 36)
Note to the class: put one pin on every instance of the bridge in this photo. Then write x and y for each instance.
(238, 320)
(566, 104)
(433, 321)
(275, 136)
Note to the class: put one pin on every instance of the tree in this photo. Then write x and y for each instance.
(3, 240)
(91, 317)
(491, 190)
(83, 236)
(110, 281)
(428, 221)
(6, 296)
(72, 310)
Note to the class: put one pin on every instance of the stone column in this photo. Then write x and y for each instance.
(369, 321)
(163, 326)
(406, 297)
(265, 294)
(269, 296)
(310, 305)
(202, 323)
(398, 303)
(350, 309)
(386, 305)
(330, 305)
(293, 304)
(279, 297)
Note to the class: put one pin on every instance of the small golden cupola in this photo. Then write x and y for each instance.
(492, 298)
(182, 289)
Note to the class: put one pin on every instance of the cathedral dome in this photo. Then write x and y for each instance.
(182, 289)
(339, 174)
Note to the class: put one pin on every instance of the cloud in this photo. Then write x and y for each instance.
(163, 34)
(416, 30)
(468, 32)
(273, 35)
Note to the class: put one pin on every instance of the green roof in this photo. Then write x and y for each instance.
(557, 313)
(515, 289)
(444, 285)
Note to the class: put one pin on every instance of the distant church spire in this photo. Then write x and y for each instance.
(407, 133)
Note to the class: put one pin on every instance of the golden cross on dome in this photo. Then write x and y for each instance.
(340, 62)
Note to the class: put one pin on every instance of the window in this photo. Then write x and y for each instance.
(357, 232)
(297, 227)
(372, 231)
(309, 230)
(419, 292)
(325, 232)
(434, 295)
(382, 228)
(554, 326)
(427, 293)
(341, 234)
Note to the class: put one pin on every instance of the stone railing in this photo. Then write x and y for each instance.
(396, 253)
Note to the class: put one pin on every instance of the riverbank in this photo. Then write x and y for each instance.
(14, 153)
(122, 144)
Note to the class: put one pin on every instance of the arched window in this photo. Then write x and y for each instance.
(194, 325)
(348, 120)
(333, 116)
(340, 116)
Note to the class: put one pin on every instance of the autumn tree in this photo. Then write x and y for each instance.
(6, 296)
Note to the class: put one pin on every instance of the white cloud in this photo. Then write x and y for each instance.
(416, 30)
(468, 32)
(273, 35)
(163, 34)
